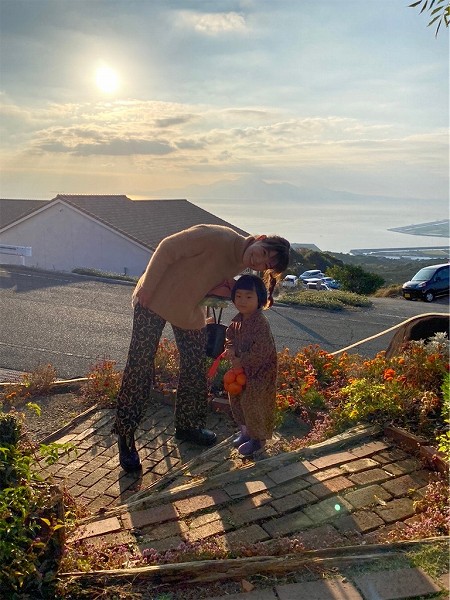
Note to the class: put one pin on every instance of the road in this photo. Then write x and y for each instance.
(71, 321)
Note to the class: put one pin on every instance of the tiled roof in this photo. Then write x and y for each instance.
(145, 221)
(11, 210)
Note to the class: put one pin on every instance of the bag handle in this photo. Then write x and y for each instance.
(217, 319)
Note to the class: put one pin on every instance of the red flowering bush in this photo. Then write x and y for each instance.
(336, 392)
(167, 368)
(305, 380)
(103, 383)
(36, 383)
(166, 365)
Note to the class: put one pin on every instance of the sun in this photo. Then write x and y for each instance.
(106, 79)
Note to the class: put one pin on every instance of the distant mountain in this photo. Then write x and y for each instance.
(331, 219)
(250, 187)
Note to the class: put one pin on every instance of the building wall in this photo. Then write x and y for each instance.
(63, 239)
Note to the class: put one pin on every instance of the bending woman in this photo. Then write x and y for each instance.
(183, 269)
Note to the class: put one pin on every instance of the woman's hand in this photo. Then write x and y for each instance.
(229, 354)
(143, 297)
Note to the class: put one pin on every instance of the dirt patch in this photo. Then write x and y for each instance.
(56, 410)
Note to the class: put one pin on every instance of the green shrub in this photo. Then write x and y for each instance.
(355, 279)
(10, 429)
(444, 438)
(32, 514)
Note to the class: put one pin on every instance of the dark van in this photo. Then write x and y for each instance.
(428, 283)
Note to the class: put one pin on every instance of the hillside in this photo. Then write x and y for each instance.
(393, 271)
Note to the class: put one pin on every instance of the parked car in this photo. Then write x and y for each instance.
(332, 283)
(316, 273)
(428, 283)
(290, 281)
(317, 284)
(326, 282)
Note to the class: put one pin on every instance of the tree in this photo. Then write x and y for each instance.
(355, 279)
(439, 11)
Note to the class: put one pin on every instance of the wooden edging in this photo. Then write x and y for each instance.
(215, 570)
(55, 435)
(377, 335)
(413, 443)
(60, 384)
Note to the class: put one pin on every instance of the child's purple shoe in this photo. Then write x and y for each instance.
(241, 439)
(250, 447)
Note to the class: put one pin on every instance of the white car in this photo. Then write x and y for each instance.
(325, 282)
(317, 283)
(290, 281)
(319, 286)
(316, 273)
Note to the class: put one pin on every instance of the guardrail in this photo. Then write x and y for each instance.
(21, 251)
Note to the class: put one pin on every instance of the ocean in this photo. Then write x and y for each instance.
(332, 227)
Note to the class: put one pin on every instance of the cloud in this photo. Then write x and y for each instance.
(170, 121)
(188, 138)
(213, 24)
(118, 147)
(114, 147)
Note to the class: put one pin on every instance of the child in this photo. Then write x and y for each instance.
(250, 345)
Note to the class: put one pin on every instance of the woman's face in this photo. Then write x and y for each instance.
(246, 301)
(258, 258)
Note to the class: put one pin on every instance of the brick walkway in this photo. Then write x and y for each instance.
(92, 473)
(346, 491)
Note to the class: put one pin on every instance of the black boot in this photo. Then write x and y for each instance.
(202, 437)
(128, 455)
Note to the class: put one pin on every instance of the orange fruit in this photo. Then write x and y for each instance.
(229, 376)
(234, 388)
(241, 378)
(238, 370)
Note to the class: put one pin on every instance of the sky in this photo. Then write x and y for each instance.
(325, 121)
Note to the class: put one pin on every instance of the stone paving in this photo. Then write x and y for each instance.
(91, 472)
(349, 490)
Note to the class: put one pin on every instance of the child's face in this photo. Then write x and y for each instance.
(246, 301)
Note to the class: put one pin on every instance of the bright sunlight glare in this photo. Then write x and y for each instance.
(106, 79)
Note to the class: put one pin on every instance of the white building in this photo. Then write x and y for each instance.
(108, 233)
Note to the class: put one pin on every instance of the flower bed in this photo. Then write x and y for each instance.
(408, 394)
(409, 390)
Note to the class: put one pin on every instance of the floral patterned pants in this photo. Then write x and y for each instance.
(134, 395)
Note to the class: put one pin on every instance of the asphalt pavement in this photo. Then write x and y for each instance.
(72, 321)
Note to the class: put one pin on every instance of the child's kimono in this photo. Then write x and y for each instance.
(254, 345)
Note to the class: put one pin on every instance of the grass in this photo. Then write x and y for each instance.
(104, 274)
(335, 300)
(432, 559)
(390, 291)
